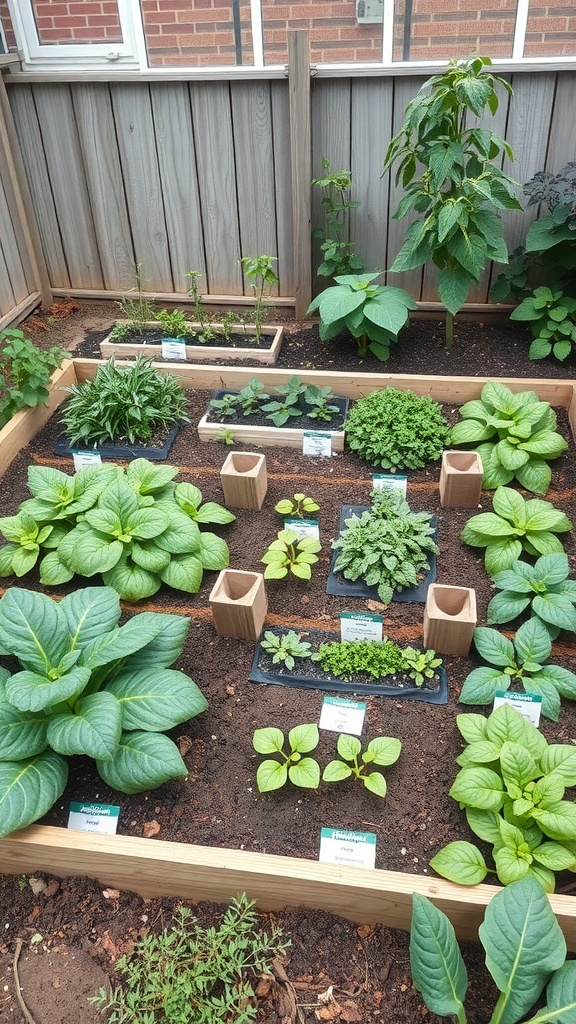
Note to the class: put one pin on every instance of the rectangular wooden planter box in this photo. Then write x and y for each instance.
(266, 356)
(155, 868)
(286, 437)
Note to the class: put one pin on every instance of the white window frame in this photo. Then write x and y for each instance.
(130, 54)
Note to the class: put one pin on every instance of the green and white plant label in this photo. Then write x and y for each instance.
(360, 626)
(303, 527)
(392, 481)
(173, 348)
(82, 459)
(341, 715)
(528, 704)
(88, 817)
(355, 849)
(316, 443)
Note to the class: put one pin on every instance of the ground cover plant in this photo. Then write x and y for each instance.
(347, 658)
(543, 587)
(511, 784)
(24, 372)
(87, 686)
(397, 429)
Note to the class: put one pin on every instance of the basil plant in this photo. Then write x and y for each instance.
(87, 686)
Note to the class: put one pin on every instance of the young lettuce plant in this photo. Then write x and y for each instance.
(511, 784)
(514, 526)
(87, 686)
(301, 771)
(525, 954)
(285, 648)
(288, 553)
(522, 661)
(383, 750)
(544, 587)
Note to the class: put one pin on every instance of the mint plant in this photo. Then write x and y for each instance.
(543, 587)
(373, 314)
(514, 435)
(24, 372)
(289, 554)
(511, 784)
(514, 526)
(301, 771)
(338, 255)
(88, 686)
(551, 316)
(461, 189)
(299, 505)
(381, 751)
(285, 648)
(521, 661)
(397, 429)
(525, 954)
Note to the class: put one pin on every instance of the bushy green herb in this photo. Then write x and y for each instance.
(373, 314)
(87, 686)
(128, 403)
(396, 429)
(521, 661)
(289, 553)
(512, 784)
(339, 255)
(299, 505)
(285, 648)
(551, 316)
(388, 546)
(421, 665)
(190, 973)
(383, 750)
(347, 658)
(544, 587)
(514, 526)
(301, 771)
(517, 434)
(24, 372)
(525, 953)
(174, 324)
(260, 272)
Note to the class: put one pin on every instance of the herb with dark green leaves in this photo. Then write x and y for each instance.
(24, 372)
(397, 429)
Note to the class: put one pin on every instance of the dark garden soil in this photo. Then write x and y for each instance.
(218, 804)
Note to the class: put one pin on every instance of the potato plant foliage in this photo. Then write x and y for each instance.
(87, 686)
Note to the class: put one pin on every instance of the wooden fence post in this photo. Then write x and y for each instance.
(301, 164)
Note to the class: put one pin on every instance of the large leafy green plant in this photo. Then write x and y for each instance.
(551, 316)
(397, 429)
(135, 527)
(544, 587)
(511, 784)
(514, 435)
(460, 189)
(372, 313)
(525, 953)
(522, 661)
(514, 526)
(87, 686)
(24, 372)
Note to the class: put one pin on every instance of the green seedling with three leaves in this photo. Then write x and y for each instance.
(299, 505)
(544, 587)
(301, 771)
(383, 750)
(289, 554)
(285, 648)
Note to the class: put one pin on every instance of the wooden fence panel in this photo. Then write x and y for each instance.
(371, 113)
(13, 284)
(283, 186)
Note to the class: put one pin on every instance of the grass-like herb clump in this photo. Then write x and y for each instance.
(397, 429)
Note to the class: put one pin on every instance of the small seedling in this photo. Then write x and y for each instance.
(296, 506)
(280, 412)
(226, 406)
(319, 399)
(382, 750)
(288, 553)
(285, 648)
(420, 665)
(251, 397)
(225, 435)
(260, 272)
(302, 771)
(137, 307)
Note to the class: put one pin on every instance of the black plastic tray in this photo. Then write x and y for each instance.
(120, 451)
(295, 423)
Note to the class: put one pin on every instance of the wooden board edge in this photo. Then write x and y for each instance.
(25, 424)
(267, 437)
(264, 356)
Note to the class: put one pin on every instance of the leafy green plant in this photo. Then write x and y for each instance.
(388, 546)
(525, 953)
(299, 505)
(192, 973)
(514, 435)
(285, 648)
(260, 272)
(383, 750)
(226, 407)
(319, 399)
(301, 771)
(511, 784)
(521, 661)
(174, 324)
(514, 526)
(289, 553)
(372, 313)
(338, 255)
(251, 397)
(461, 189)
(87, 686)
(281, 411)
(543, 587)
(24, 372)
(137, 307)
(135, 527)
(551, 316)
(396, 429)
(421, 665)
(128, 403)
(347, 658)
(226, 436)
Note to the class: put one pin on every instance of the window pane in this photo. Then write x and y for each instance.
(353, 34)
(437, 29)
(551, 30)
(197, 32)
(70, 22)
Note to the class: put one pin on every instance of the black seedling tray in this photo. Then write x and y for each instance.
(121, 451)
(295, 422)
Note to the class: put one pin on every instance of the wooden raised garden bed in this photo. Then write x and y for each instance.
(266, 352)
(153, 867)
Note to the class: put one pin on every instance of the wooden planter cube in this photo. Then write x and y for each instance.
(460, 479)
(449, 619)
(239, 604)
(244, 480)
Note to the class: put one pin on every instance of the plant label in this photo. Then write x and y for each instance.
(316, 443)
(82, 459)
(88, 817)
(528, 704)
(303, 527)
(355, 849)
(173, 348)
(341, 715)
(392, 481)
(360, 626)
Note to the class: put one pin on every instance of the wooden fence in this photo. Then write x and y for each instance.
(192, 175)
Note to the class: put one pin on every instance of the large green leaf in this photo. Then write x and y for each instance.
(453, 286)
(501, 554)
(29, 788)
(123, 641)
(438, 970)
(517, 764)
(53, 572)
(143, 760)
(470, 432)
(560, 996)
(94, 728)
(32, 628)
(387, 312)
(478, 787)
(30, 691)
(482, 684)
(556, 609)
(506, 606)
(460, 862)
(493, 646)
(163, 649)
(147, 477)
(535, 476)
(182, 535)
(149, 556)
(146, 523)
(89, 613)
(87, 552)
(156, 699)
(560, 758)
(511, 505)
(213, 552)
(183, 573)
(22, 733)
(558, 821)
(337, 303)
(532, 642)
(131, 581)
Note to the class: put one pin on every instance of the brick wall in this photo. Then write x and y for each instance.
(70, 21)
(7, 25)
(551, 30)
(194, 32)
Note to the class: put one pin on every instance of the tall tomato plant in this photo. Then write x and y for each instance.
(460, 190)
